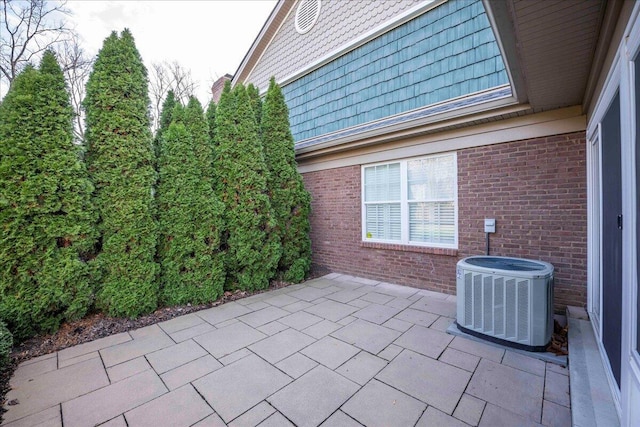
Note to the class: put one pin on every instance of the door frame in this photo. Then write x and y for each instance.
(594, 220)
(620, 77)
(630, 384)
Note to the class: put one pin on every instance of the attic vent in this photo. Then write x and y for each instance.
(307, 15)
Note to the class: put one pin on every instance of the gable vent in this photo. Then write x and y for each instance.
(307, 15)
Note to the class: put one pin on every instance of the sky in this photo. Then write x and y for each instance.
(208, 37)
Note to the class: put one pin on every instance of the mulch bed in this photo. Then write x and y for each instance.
(99, 325)
(559, 339)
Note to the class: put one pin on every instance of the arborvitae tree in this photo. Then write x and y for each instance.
(190, 221)
(165, 119)
(121, 165)
(256, 103)
(290, 201)
(211, 120)
(198, 128)
(46, 217)
(177, 116)
(252, 251)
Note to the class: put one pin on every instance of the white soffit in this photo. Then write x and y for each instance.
(556, 42)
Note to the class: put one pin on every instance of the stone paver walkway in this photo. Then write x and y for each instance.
(334, 351)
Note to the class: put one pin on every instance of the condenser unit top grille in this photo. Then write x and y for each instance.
(518, 267)
(511, 264)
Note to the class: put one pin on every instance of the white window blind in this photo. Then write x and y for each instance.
(411, 201)
(382, 202)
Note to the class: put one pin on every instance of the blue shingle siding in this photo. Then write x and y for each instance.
(348, 128)
(447, 52)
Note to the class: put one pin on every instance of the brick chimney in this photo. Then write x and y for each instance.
(218, 85)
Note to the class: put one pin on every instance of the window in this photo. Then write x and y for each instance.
(411, 202)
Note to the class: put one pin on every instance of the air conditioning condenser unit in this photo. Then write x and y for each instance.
(506, 300)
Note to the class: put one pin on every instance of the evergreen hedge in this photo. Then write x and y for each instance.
(190, 220)
(198, 128)
(290, 201)
(45, 211)
(231, 202)
(252, 250)
(211, 121)
(120, 158)
(166, 117)
(256, 103)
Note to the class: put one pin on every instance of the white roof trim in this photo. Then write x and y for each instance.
(262, 33)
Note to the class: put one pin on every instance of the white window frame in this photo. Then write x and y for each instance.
(404, 203)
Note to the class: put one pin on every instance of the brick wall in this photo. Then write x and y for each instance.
(535, 189)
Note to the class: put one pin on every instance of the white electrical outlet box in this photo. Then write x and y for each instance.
(490, 225)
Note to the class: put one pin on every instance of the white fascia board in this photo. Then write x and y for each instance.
(257, 40)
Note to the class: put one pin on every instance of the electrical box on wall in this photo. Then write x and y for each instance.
(490, 225)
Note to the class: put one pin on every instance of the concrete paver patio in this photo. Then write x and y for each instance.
(334, 351)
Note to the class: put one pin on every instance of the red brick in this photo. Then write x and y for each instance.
(536, 189)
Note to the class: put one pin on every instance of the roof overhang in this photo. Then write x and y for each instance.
(549, 46)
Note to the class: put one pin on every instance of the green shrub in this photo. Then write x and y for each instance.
(166, 117)
(190, 216)
(121, 163)
(290, 201)
(211, 120)
(256, 103)
(6, 342)
(252, 251)
(198, 128)
(47, 221)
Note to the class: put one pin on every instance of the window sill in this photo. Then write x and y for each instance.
(410, 248)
